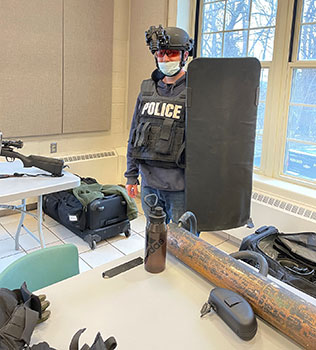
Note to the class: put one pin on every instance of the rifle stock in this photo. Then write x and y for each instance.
(51, 165)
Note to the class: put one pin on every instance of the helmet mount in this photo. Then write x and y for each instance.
(169, 38)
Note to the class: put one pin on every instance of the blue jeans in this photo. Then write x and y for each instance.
(172, 202)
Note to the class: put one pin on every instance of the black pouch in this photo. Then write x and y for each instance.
(166, 137)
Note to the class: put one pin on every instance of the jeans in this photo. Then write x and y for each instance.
(172, 203)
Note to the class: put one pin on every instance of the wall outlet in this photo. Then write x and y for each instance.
(53, 147)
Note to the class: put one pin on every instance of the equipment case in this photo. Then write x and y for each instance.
(103, 218)
(291, 257)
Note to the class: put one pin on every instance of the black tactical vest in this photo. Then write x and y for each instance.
(158, 139)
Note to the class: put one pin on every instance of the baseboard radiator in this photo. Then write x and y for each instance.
(267, 209)
(103, 166)
(286, 215)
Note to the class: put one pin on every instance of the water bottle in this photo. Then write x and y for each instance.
(155, 240)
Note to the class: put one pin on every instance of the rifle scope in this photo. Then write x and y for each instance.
(9, 143)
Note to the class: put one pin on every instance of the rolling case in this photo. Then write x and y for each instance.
(101, 219)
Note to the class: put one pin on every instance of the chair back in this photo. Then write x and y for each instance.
(42, 268)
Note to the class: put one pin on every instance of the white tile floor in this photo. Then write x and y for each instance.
(106, 251)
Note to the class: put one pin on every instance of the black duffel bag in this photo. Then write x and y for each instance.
(291, 257)
(66, 209)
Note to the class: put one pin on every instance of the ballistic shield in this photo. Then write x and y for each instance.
(222, 99)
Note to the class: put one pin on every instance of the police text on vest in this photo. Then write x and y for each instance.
(159, 109)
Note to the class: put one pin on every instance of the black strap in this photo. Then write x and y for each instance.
(179, 154)
(137, 136)
(5, 176)
(147, 87)
(143, 139)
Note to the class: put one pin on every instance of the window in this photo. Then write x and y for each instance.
(286, 120)
(300, 150)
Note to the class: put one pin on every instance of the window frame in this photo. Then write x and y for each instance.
(278, 90)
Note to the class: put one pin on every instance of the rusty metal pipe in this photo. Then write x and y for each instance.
(283, 309)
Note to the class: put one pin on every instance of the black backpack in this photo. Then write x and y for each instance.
(291, 257)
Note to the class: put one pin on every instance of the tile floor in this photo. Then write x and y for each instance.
(106, 251)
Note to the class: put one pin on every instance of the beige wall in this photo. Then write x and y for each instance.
(116, 138)
(79, 143)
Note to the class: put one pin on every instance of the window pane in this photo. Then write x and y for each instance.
(300, 160)
(302, 123)
(212, 45)
(213, 17)
(237, 14)
(260, 117)
(263, 13)
(307, 47)
(304, 86)
(235, 44)
(263, 84)
(258, 151)
(261, 44)
(309, 11)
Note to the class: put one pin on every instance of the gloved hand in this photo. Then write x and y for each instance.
(132, 190)
(34, 302)
(44, 305)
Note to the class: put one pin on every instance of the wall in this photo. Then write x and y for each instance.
(79, 143)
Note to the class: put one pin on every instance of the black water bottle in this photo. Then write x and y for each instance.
(156, 241)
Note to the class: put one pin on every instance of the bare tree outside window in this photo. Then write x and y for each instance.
(300, 152)
(241, 28)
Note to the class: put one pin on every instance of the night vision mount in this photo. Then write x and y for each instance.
(157, 38)
(169, 38)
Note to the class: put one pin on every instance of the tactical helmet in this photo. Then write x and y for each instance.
(169, 38)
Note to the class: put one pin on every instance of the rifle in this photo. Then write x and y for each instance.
(51, 165)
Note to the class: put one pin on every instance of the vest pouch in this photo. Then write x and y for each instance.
(20, 327)
(166, 137)
(141, 137)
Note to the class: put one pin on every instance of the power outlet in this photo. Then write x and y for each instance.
(53, 147)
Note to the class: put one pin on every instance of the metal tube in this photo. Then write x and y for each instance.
(283, 309)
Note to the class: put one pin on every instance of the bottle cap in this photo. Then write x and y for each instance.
(157, 215)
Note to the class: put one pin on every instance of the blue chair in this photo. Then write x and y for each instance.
(42, 268)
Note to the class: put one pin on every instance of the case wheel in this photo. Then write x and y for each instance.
(93, 244)
(127, 233)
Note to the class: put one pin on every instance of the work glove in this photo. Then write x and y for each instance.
(36, 303)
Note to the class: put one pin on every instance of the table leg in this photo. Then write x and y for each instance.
(40, 220)
(18, 230)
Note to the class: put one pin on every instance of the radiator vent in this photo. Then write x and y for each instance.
(102, 166)
(285, 206)
(88, 156)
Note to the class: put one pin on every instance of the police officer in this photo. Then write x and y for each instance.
(156, 141)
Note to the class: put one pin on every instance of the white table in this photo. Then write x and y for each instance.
(144, 311)
(20, 188)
